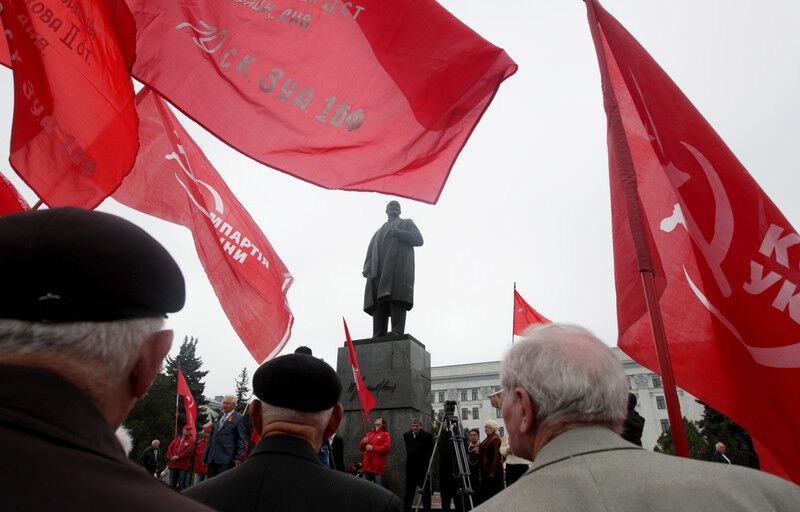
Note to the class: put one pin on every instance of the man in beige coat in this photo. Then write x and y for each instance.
(565, 396)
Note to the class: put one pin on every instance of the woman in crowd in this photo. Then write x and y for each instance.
(491, 462)
(474, 460)
(376, 447)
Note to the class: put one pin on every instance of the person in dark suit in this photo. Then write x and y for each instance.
(297, 407)
(227, 440)
(81, 340)
(336, 446)
(419, 448)
(719, 454)
(150, 457)
(634, 423)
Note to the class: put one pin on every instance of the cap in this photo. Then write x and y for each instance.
(299, 382)
(73, 265)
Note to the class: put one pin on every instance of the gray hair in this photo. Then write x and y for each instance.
(111, 347)
(318, 420)
(570, 375)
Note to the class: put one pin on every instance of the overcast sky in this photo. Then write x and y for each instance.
(528, 198)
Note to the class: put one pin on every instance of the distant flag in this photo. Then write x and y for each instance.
(723, 258)
(189, 405)
(525, 315)
(10, 200)
(365, 398)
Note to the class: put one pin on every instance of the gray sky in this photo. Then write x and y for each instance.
(527, 200)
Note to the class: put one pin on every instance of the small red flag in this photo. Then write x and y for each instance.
(173, 180)
(525, 316)
(724, 257)
(189, 405)
(379, 97)
(10, 200)
(366, 399)
(74, 136)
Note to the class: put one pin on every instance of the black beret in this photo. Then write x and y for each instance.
(298, 382)
(74, 265)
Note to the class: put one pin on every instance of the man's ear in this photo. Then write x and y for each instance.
(255, 416)
(526, 412)
(148, 362)
(334, 422)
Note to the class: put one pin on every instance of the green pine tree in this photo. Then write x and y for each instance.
(698, 446)
(190, 365)
(153, 417)
(242, 391)
(716, 427)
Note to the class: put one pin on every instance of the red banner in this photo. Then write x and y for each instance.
(525, 315)
(366, 399)
(725, 257)
(368, 95)
(10, 200)
(73, 138)
(189, 405)
(173, 180)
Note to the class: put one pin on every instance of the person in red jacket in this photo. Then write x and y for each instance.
(200, 469)
(178, 454)
(376, 447)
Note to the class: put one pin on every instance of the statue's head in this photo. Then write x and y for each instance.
(393, 209)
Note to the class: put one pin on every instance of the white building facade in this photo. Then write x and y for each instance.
(470, 384)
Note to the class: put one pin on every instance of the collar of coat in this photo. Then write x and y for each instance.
(50, 407)
(579, 441)
(287, 445)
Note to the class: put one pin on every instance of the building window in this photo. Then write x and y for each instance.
(498, 413)
(660, 402)
(474, 394)
(433, 397)
(465, 414)
(656, 381)
(441, 397)
(502, 431)
(664, 426)
(463, 395)
(475, 413)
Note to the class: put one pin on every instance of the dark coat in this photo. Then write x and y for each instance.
(63, 455)
(418, 453)
(337, 453)
(389, 265)
(226, 443)
(717, 457)
(284, 473)
(633, 427)
(150, 459)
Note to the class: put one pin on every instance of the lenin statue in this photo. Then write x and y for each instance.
(389, 269)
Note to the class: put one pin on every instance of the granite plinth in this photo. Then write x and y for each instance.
(397, 371)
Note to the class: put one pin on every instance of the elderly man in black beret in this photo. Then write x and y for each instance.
(297, 408)
(82, 304)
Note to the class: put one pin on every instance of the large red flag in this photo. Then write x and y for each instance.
(525, 315)
(366, 399)
(369, 95)
(74, 137)
(189, 405)
(173, 180)
(10, 200)
(725, 258)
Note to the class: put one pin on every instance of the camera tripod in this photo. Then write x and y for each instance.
(458, 453)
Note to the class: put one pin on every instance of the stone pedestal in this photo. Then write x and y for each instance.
(397, 371)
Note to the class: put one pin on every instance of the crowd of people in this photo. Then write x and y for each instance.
(82, 339)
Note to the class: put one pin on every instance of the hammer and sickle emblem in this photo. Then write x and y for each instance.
(210, 33)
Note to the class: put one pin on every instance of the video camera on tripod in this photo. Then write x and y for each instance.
(450, 429)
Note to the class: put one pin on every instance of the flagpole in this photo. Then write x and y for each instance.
(665, 363)
(177, 398)
(638, 230)
(37, 205)
(513, 311)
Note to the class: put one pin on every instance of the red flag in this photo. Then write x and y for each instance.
(10, 200)
(5, 58)
(189, 405)
(366, 399)
(524, 315)
(73, 138)
(725, 258)
(173, 180)
(379, 97)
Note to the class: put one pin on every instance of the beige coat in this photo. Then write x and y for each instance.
(594, 469)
